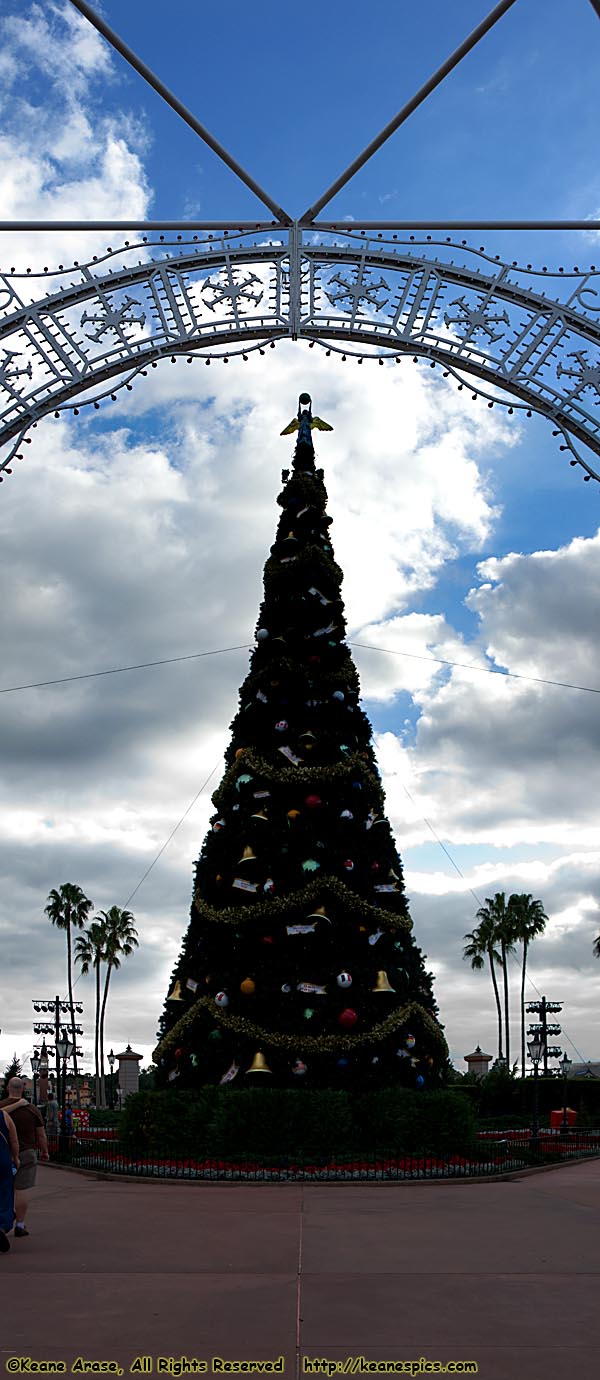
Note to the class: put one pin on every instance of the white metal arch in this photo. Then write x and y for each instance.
(520, 336)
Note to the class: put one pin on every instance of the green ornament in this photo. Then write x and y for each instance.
(308, 1012)
(194, 1061)
(214, 1035)
(243, 780)
(310, 865)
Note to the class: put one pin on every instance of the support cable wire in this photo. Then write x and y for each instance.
(481, 903)
(246, 647)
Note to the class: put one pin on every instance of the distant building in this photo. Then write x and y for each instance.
(589, 1070)
(478, 1062)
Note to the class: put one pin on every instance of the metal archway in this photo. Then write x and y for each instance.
(520, 336)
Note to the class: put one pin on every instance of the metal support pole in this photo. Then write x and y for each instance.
(178, 106)
(56, 1040)
(544, 1019)
(415, 101)
(535, 1125)
(63, 1139)
(336, 225)
(231, 227)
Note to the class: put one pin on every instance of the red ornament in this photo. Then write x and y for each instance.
(179, 1053)
(347, 1018)
(314, 660)
(348, 864)
(267, 939)
(312, 802)
(375, 867)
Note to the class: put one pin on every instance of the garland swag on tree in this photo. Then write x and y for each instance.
(299, 966)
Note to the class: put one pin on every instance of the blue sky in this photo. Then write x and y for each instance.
(142, 533)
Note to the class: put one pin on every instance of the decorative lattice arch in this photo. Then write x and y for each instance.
(517, 335)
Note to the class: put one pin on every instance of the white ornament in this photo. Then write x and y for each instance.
(344, 980)
(262, 634)
(221, 999)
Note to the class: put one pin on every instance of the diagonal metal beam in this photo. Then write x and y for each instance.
(595, 4)
(416, 100)
(180, 109)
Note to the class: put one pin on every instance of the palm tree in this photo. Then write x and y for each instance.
(120, 941)
(481, 945)
(528, 919)
(69, 907)
(90, 952)
(495, 913)
(597, 947)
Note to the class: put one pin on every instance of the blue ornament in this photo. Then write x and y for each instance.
(342, 1063)
(420, 1080)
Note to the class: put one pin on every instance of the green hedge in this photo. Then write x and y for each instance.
(288, 1122)
(500, 1096)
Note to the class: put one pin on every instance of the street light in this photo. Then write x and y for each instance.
(536, 1048)
(64, 1050)
(35, 1065)
(564, 1066)
(111, 1060)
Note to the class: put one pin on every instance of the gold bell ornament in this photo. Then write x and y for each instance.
(176, 994)
(382, 984)
(248, 987)
(259, 1064)
(247, 856)
(260, 814)
(319, 913)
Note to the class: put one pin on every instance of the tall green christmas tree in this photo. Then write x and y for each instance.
(299, 965)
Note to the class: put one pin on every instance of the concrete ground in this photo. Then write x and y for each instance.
(502, 1274)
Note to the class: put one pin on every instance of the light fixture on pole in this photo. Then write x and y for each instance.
(64, 1050)
(536, 1048)
(35, 1067)
(564, 1066)
(111, 1060)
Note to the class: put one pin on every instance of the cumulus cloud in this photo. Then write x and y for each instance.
(142, 535)
(62, 157)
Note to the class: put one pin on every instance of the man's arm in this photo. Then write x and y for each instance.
(13, 1139)
(41, 1143)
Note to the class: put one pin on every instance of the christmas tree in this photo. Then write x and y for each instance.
(299, 965)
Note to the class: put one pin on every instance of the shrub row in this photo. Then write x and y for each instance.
(500, 1095)
(285, 1122)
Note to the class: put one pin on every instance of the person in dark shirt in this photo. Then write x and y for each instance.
(29, 1126)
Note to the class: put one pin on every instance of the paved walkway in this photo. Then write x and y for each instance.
(504, 1274)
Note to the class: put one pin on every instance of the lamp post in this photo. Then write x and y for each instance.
(111, 1060)
(64, 1050)
(536, 1048)
(35, 1065)
(564, 1066)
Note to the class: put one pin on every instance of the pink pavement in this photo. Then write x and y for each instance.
(503, 1274)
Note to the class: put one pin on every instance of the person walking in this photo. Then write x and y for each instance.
(32, 1140)
(52, 1127)
(9, 1162)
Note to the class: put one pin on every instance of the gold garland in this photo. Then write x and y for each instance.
(302, 1044)
(314, 893)
(300, 776)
